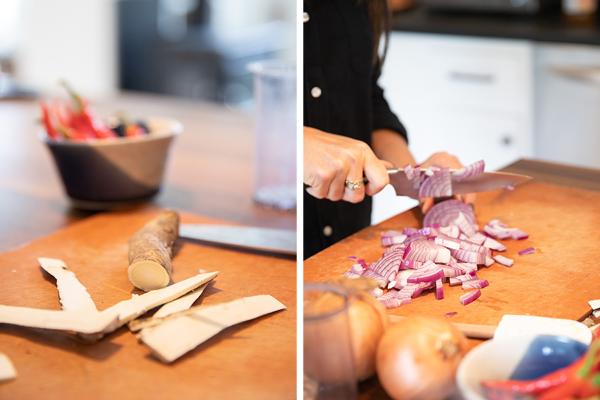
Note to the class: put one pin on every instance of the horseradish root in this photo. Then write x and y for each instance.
(150, 251)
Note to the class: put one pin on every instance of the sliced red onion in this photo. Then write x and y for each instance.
(451, 272)
(454, 282)
(380, 280)
(425, 250)
(518, 234)
(496, 233)
(399, 248)
(450, 314)
(422, 287)
(497, 223)
(439, 289)
(500, 230)
(475, 284)
(469, 172)
(470, 246)
(352, 275)
(507, 262)
(470, 297)
(411, 172)
(388, 265)
(390, 238)
(460, 279)
(443, 256)
(489, 261)
(402, 279)
(469, 256)
(478, 238)
(428, 276)
(410, 231)
(357, 268)
(445, 213)
(360, 261)
(377, 292)
(529, 250)
(439, 184)
(464, 225)
(494, 244)
(452, 231)
(447, 242)
(394, 302)
(468, 268)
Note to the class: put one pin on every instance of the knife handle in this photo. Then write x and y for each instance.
(473, 331)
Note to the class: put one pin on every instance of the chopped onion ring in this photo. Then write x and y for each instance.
(470, 297)
(529, 250)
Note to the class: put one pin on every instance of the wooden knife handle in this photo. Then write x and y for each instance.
(473, 331)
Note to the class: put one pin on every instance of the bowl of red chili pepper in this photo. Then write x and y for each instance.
(537, 367)
(106, 165)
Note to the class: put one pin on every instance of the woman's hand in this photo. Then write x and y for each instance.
(331, 160)
(444, 160)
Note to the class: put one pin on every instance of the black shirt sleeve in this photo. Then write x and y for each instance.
(383, 116)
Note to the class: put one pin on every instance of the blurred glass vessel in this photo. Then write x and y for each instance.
(275, 163)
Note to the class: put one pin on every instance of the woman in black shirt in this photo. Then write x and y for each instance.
(349, 129)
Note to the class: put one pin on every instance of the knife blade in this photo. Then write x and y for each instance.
(280, 241)
(482, 183)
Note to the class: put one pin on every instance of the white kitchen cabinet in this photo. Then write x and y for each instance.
(471, 97)
(568, 102)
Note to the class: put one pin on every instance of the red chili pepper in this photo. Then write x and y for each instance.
(496, 390)
(579, 380)
(584, 383)
(47, 120)
(70, 133)
(82, 119)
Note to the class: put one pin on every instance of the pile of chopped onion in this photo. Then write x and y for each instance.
(450, 248)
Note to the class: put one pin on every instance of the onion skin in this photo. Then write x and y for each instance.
(417, 358)
(368, 321)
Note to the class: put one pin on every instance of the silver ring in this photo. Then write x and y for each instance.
(353, 185)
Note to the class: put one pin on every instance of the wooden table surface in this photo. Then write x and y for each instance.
(558, 280)
(209, 172)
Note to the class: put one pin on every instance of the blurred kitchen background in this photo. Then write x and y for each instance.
(496, 80)
(196, 49)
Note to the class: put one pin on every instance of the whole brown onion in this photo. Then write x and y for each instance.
(417, 358)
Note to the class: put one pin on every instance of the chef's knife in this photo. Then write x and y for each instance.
(278, 241)
(482, 183)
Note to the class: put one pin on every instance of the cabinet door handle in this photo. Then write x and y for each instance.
(471, 77)
(578, 73)
(506, 140)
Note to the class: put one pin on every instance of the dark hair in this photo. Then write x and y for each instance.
(379, 15)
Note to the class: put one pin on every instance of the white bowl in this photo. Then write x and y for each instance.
(497, 359)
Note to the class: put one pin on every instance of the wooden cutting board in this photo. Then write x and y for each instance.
(556, 281)
(241, 362)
